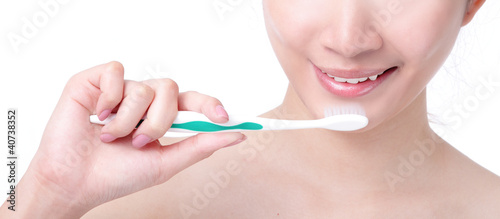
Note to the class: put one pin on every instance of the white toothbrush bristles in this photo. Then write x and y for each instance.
(345, 118)
(344, 110)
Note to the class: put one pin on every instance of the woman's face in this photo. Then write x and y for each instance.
(334, 50)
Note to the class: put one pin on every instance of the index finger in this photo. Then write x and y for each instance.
(99, 89)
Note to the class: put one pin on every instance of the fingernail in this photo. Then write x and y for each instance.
(140, 140)
(237, 141)
(221, 112)
(104, 114)
(107, 138)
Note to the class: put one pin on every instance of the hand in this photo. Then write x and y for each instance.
(84, 165)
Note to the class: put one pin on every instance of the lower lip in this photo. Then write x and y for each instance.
(350, 90)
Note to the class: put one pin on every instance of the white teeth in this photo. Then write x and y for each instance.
(350, 81)
(362, 79)
(339, 79)
(353, 80)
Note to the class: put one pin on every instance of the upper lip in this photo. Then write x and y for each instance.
(352, 73)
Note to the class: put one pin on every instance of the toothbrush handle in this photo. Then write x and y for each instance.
(193, 122)
(188, 121)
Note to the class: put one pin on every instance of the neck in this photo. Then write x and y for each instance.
(364, 157)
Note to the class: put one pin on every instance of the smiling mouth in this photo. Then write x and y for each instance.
(357, 80)
(351, 83)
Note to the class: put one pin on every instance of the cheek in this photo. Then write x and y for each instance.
(292, 30)
(292, 23)
(426, 33)
(422, 38)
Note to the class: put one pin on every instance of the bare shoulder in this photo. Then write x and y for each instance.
(477, 188)
(487, 202)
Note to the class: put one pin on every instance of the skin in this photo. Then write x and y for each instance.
(293, 174)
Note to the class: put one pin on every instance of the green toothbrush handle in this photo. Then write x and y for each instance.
(187, 121)
(202, 126)
(193, 122)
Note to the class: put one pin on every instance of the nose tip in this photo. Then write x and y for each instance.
(351, 36)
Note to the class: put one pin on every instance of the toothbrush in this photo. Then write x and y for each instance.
(193, 122)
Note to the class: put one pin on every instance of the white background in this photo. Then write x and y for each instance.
(224, 55)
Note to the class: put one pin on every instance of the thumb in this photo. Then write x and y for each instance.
(183, 154)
